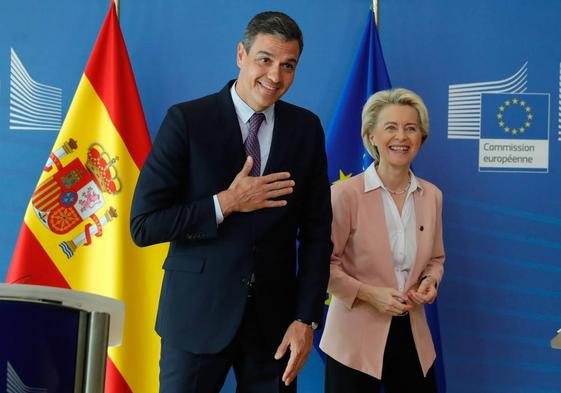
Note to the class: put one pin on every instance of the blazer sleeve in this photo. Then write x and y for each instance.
(314, 234)
(341, 284)
(435, 266)
(161, 210)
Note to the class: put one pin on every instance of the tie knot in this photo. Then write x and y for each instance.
(255, 122)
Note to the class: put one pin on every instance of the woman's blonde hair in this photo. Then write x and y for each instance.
(378, 101)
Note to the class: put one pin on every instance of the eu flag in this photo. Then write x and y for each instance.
(368, 75)
(345, 152)
(515, 116)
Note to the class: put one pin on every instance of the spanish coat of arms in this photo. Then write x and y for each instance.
(74, 194)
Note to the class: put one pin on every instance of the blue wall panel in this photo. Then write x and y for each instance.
(500, 301)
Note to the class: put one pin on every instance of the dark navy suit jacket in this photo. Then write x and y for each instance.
(196, 154)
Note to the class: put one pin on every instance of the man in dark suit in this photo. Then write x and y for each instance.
(233, 180)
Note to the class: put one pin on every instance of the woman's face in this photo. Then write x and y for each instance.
(397, 135)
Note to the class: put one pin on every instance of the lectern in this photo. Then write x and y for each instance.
(55, 339)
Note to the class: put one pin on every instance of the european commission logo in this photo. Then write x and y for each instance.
(514, 132)
(34, 106)
(511, 124)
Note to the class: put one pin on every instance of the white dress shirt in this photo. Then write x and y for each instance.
(401, 228)
(265, 136)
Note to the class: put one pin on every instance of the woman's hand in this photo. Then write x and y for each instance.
(386, 300)
(425, 291)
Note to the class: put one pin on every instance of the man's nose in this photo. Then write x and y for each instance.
(274, 74)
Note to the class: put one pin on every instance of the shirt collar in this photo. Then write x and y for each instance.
(372, 181)
(244, 111)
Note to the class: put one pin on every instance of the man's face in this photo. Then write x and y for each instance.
(267, 71)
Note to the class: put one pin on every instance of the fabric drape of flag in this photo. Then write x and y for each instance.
(345, 152)
(76, 228)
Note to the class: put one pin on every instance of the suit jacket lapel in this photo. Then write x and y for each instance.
(229, 136)
(282, 137)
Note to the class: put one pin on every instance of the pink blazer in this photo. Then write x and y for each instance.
(355, 333)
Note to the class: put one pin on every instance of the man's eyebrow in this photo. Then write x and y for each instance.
(264, 52)
(292, 60)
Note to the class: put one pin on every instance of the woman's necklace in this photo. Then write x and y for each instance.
(401, 191)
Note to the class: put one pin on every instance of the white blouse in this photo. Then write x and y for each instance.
(401, 229)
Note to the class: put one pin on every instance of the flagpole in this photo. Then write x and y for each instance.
(117, 7)
(374, 9)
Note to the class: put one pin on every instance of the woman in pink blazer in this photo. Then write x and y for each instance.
(387, 259)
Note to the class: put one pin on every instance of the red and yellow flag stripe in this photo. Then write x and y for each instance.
(105, 111)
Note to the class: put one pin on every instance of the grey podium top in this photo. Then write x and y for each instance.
(74, 299)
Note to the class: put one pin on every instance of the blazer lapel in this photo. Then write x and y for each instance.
(282, 137)
(229, 139)
(421, 228)
(379, 234)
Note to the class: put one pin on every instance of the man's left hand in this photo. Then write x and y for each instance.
(298, 338)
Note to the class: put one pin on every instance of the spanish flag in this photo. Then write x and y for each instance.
(76, 228)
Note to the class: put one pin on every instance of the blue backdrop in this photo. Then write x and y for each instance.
(500, 302)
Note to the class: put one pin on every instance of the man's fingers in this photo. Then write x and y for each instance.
(295, 364)
(288, 374)
(278, 193)
(260, 192)
(270, 204)
(281, 350)
(279, 185)
(243, 173)
(273, 177)
(263, 204)
(248, 164)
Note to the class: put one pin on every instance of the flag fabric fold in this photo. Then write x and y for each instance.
(75, 232)
(345, 152)
(368, 74)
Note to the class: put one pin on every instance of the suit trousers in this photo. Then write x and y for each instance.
(401, 372)
(254, 366)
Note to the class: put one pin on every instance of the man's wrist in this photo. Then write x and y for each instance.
(226, 202)
(311, 324)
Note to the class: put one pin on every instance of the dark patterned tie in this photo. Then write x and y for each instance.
(251, 143)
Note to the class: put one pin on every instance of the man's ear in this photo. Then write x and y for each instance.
(240, 54)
